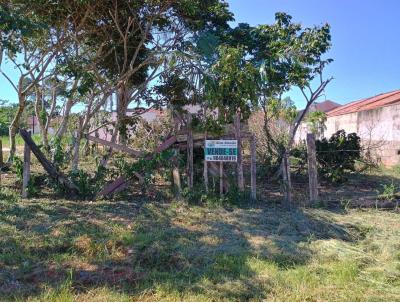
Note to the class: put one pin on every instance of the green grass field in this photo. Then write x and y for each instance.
(18, 139)
(59, 250)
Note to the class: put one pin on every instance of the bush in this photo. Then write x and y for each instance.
(335, 156)
(338, 155)
(18, 167)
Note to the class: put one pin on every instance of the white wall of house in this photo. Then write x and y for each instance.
(378, 128)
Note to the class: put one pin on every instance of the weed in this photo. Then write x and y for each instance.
(18, 167)
(345, 203)
(388, 191)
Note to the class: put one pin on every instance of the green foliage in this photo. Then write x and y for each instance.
(7, 112)
(43, 116)
(32, 187)
(288, 53)
(299, 153)
(57, 151)
(338, 155)
(335, 156)
(208, 124)
(232, 85)
(281, 109)
(388, 191)
(18, 167)
(316, 122)
(16, 23)
(84, 183)
(144, 166)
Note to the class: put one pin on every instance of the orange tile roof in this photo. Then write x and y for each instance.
(380, 100)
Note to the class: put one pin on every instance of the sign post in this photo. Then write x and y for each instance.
(221, 150)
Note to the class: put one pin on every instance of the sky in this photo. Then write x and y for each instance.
(365, 43)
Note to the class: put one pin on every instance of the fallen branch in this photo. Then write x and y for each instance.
(47, 165)
(115, 146)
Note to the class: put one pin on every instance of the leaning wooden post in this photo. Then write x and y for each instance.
(189, 150)
(312, 167)
(26, 173)
(253, 168)
(221, 179)
(47, 165)
(239, 150)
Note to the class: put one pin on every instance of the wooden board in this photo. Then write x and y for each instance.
(119, 183)
(163, 146)
(198, 138)
(118, 147)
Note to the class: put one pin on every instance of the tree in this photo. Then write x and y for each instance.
(138, 36)
(30, 44)
(231, 85)
(7, 111)
(290, 56)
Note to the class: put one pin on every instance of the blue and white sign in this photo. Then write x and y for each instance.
(221, 150)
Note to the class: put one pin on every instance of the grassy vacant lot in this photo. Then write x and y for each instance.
(18, 140)
(158, 251)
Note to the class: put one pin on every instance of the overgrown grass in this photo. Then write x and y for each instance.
(120, 251)
(18, 140)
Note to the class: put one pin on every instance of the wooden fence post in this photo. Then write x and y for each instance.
(312, 167)
(205, 163)
(1, 154)
(176, 176)
(253, 168)
(190, 151)
(221, 179)
(26, 169)
(286, 180)
(239, 155)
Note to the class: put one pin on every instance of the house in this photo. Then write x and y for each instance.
(376, 120)
(147, 114)
(32, 124)
(324, 106)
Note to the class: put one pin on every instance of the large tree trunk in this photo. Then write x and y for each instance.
(64, 123)
(42, 127)
(50, 115)
(13, 129)
(122, 107)
(67, 111)
(77, 142)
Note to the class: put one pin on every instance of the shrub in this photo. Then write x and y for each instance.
(19, 167)
(338, 155)
(388, 191)
(335, 156)
(57, 152)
